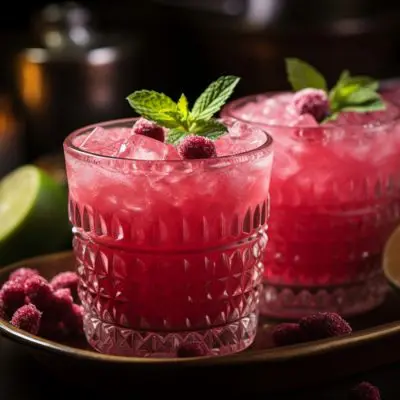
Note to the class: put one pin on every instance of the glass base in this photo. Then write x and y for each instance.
(293, 302)
(220, 340)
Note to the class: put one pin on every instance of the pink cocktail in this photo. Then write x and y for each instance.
(335, 199)
(169, 251)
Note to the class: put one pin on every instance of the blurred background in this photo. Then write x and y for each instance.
(67, 64)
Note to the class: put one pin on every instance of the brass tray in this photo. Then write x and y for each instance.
(374, 343)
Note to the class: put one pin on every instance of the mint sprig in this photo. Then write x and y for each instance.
(349, 94)
(178, 117)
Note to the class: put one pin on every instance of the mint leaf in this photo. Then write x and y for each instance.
(362, 95)
(174, 136)
(214, 97)
(302, 75)
(156, 107)
(183, 107)
(211, 128)
(374, 105)
(149, 102)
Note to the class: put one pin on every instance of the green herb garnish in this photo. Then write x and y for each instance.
(350, 93)
(177, 116)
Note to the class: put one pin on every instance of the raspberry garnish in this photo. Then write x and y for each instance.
(286, 334)
(364, 391)
(311, 101)
(324, 325)
(27, 318)
(194, 349)
(73, 319)
(149, 129)
(66, 280)
(22, 274)
(195, 147)
(12, 296)
(39, 292)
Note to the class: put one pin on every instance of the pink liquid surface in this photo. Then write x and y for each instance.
(334, 199)
(168, 245)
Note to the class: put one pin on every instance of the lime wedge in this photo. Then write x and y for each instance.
(33, 215)
(391, 259)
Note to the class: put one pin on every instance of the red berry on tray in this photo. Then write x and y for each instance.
(364, 391)
(27, 318)
(194, 349)
(286, 334)
(22, 274)
(62, 302)
(12, 296)
(324, 325)
(66, 280)
(51, 327)
(39, 292)
(73, 320)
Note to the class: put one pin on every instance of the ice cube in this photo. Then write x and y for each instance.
(241, 138)
(103, 141)
(305, 121)
(140, 147)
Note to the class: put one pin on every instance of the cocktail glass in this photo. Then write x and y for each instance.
(335, 199)
(169, 252)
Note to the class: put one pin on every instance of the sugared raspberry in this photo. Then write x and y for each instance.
(3, 314)
(286, 334)
(73, 320)
(66, 280)
(39, 292)
(22, 274)
(27, 318)
(324, 325)
(12, 295)
(193, 147)
(194, 349)
(50, 327)
(149, 129)
(62, 301)
(364, 391)
(311, 101)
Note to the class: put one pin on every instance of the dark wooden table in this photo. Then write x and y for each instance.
(22, 378)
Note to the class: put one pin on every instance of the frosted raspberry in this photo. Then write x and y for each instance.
(22, 274)
(194, 146)
(27, 318)
(311, 101)
(39, 292)
(51, 327)
(364, 391)
(286, 334)
(65, 280)
(3, 314)
(324, 325)
(194, 349)
(62, 301)
(73, 319)
(12, 295)
(149, 129)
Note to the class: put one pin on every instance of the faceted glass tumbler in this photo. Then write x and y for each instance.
(335, 199)
(168, 252)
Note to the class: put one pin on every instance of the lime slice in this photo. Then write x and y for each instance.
(33, 215)
(391, 259)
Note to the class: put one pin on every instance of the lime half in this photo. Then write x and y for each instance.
(391, 259)
(33, 214)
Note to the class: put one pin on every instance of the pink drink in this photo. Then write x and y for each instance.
(169, 251)
(334, 201)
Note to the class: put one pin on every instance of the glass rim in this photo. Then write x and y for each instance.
(228, 112)
(69, 146)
